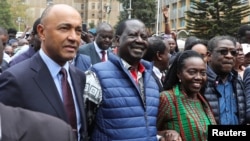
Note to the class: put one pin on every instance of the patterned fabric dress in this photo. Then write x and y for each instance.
(189, 117)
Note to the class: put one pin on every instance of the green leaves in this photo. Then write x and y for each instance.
(216, 17)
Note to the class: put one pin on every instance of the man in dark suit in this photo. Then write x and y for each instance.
(35, 83)
(102, 43)
(158, 53)
(34, 46)
(18, 124)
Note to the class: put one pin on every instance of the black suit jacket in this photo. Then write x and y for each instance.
(30, 85)
(89, 49)
(18, 124)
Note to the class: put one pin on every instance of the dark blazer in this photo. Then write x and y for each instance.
(25, 55)
(89, 49)
(18, 124)
(29, 85)
(159, 83)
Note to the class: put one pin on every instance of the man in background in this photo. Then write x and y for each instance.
(99, 50)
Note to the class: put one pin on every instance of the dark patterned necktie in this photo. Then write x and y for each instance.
(68, 100)
(103, 55)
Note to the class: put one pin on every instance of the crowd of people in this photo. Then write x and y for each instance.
(119, 84)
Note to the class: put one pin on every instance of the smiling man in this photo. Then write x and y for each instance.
(224, 90)
(122, 96)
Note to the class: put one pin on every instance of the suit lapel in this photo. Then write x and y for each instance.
(94, 55)
(48, 87)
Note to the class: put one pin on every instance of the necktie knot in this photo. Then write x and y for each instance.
(63, 72)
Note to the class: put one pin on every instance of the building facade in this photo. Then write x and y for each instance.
(92, 11)
(177, 9)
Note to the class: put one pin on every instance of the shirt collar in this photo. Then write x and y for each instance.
(53, 67)
(98, 50)
(157, 72)
(141, 68)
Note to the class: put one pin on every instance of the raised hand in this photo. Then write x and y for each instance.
(165, 12)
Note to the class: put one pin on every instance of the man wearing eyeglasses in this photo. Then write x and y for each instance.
(224, 90)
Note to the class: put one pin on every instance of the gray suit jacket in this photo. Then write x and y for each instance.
(18, 124)
(30, 85)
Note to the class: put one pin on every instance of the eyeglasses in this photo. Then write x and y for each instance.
(225, 52)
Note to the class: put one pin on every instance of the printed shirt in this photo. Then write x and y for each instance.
(187, 116)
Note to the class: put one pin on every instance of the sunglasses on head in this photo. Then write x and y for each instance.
(225, 52)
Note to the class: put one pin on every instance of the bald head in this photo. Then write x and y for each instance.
(60, 32)
(104, 26)
(56, 10)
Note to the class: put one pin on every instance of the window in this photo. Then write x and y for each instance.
(49, 2)
(82, 6)
(244, 1)
(93, 6)
(93, 15)
(173, 23)
(183, 4)
(182, 22)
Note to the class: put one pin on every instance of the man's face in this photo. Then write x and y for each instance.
(133, 42)
(240, 56)
(246, 37)
(4, 39)
(172, 44)
(60, 33)
(35, 41)
(164, 59)
(223, 57)
(104, 38)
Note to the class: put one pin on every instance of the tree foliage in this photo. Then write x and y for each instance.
(10, 10)
(216, 17)
(144, 10)
(5, 16)
(18, 9)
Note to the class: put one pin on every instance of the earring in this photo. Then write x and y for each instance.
(180, 80)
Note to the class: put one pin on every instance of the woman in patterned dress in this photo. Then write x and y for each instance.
(182, 108)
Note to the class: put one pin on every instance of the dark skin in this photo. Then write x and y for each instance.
(1, 50)
(133, 42)
(132, 45)
(193, 76)
(165, 15)
(104, 36)
(85, 37)
(161, 60)
(222, 64)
